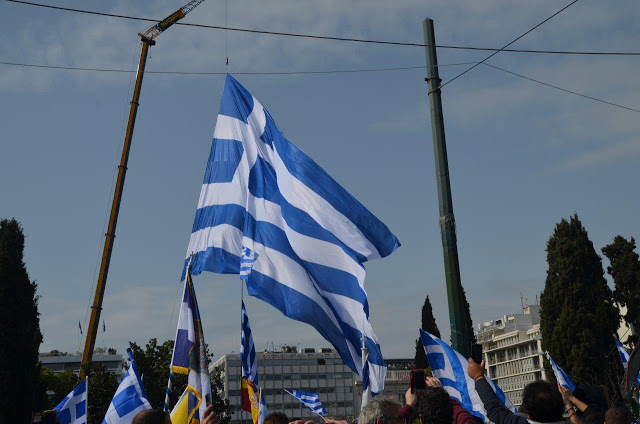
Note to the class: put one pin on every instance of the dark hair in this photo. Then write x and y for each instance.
(543, 402)
(434, 406)
(151, 416)
(592, 416)
(618, 414)
(276, 418)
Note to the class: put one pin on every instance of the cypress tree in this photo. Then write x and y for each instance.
(577, 314)
(625, 271)
(19, 329)
(468, 323)
(428, 324)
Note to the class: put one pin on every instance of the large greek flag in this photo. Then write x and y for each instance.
(130, 398)
(311, 237)
(73, 408)
(310, 400)
(560, 375)
(450, 368)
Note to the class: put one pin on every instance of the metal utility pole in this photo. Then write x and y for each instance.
(459, 338)
(147, 39)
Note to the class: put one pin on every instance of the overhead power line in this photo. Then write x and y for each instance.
(560, 88)
(326, 37)
(331, 71)
(510, 43)
(338, 71)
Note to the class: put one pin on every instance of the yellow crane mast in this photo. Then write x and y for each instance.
(147, 39)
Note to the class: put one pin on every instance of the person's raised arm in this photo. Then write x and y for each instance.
(496, 411)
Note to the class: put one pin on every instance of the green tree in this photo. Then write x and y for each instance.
(102, 386)
(468, 323)
(625, 271)
(428, 323)
(19, 329)
(576, 309)
(60, 384)
(153, 362)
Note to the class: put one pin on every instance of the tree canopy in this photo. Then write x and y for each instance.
(428, 323)
(577, 314)
(19, 329)
(624, 268)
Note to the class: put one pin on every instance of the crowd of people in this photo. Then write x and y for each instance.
(542, 402)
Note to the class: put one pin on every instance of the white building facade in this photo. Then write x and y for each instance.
(311, 370)
(512, 349)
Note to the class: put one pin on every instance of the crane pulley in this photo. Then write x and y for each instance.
(161, 26)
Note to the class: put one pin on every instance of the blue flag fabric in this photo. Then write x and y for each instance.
(190, 353)
(310, 236)
(263, 409)
(248, 350)
(73, 408)
(310, 400)
(450, 368)
(130, 398)
(560, 375)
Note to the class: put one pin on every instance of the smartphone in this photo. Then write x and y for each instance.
(50, 417)
(476, 352)
(417, 380)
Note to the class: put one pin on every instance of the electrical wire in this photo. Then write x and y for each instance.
(510, 43)
(326, 37)
(335, 71)
(561, 89)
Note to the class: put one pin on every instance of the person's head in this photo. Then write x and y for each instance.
(618, 415)
(543, 402)
(152, 416)
(380, 411)
(434, 406)
(276, 418)
(594, 417)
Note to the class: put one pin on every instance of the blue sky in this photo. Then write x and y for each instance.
(522, 156)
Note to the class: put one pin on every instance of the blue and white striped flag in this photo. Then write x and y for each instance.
(561, 376)
(310, 400)
(190, 354)
(624, 357)
(263, 409)
(130, 398)
(73, 408)
(450, 368)
(312, 237)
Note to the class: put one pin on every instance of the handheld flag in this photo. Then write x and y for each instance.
(312, 237)
(263, 409)
(179, 413)
(250, 402)
(310, 400)
(561, 376)
(73, 408)
(130, 398)
(190, 354)
(624, 357)
(450, 368)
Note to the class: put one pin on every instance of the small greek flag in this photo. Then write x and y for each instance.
(263, 409)
(73, 408)
(246, 262)
(130, 398)
(450, 368)
(310, 400)
(624, 355)
(561, 376)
